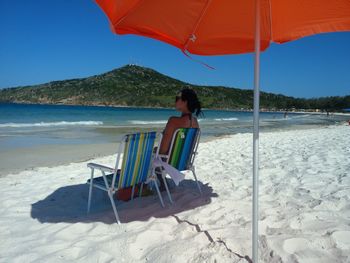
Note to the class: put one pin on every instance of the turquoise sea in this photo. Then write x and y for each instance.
(40, 135)
(25, 125)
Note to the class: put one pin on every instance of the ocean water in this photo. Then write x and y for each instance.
(48, 135)
(25, 125)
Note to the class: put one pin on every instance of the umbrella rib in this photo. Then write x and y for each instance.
(124, 16)
(270, 16)
(197, 24)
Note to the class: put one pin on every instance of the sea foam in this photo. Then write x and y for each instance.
(50, 124)
(226, 119)
(148, 122)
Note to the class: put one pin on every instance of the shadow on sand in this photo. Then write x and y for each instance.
(68, 204)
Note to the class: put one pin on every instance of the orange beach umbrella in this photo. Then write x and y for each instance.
(218, 27)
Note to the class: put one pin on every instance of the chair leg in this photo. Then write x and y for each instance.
(110, 194)
(167, 188)
(159, 195)
(141, 189)
(132, 192)
(195, 177)
(90, 190)
(114, 207)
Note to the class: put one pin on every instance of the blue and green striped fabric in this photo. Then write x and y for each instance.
(182, 148)
(136, 159)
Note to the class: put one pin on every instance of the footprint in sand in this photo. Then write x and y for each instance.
(342, 239)
(149, 239)
(293, 245)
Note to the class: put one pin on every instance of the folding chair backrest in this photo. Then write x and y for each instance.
(136, 159)
(183, 147)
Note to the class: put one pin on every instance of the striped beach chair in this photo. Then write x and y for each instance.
(135, 169)
(182, 152)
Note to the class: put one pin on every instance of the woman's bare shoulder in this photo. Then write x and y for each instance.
(174, 119)
(195, 122)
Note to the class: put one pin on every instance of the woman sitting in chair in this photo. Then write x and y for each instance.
(188, 104)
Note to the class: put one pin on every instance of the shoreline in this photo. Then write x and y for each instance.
(50, 156)
(339, 113)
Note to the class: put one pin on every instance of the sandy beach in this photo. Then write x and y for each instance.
(304, 207)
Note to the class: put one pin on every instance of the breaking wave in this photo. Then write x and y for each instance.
(148, 122)
(226, 119)
(50, 124)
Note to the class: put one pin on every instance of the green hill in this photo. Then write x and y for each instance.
(139, 86)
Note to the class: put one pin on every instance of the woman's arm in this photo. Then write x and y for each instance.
(167, 136)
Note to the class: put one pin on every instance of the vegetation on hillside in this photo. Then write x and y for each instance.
(139, 86)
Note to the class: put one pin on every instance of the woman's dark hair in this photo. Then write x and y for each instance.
(193, 103)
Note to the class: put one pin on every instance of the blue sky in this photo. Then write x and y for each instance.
(43, 41)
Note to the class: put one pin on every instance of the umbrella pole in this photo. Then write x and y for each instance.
(256, 134)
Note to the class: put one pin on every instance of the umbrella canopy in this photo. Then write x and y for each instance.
(218, 27)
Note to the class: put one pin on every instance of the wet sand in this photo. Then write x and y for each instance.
(14, 161)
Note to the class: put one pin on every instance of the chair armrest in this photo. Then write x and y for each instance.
(100, 167)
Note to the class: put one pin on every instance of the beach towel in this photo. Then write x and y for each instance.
(175, 174)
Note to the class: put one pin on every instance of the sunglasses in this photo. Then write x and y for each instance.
(177, 98)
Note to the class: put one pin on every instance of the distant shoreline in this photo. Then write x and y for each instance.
(296, 111)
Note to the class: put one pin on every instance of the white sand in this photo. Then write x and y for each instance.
(304, 208)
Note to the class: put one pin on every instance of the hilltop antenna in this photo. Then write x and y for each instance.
(132, 62)
(138, 63)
